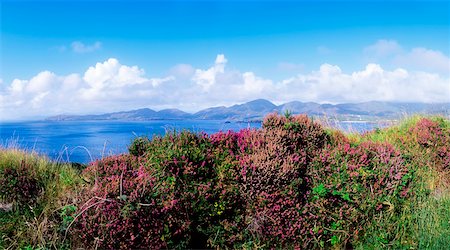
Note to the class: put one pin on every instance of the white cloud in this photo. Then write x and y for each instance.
(79, 47)
(424, 59)
(390, 52)
(112, 74)
(107, 86)
(330, 84)
(17, 86)
(383, 48)
(207, 78)
(220, 59)
(111, 86)
(41, 82)
(182, 71)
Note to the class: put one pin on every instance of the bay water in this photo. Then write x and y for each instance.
(85, 141)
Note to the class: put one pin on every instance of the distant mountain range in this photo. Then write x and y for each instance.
(257, 109)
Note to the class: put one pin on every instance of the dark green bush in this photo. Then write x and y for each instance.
(354, 184)
(139, 146)
(20, 184)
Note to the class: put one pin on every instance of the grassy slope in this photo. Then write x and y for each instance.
(34, 221)
(425, 220)
(422, 221)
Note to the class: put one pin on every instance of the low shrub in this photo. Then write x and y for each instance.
(20, 184)
(423, 144)
(352, 185)
(120, 210)
(273, 179)
(139, 146)
(434, 139)
(177, 195)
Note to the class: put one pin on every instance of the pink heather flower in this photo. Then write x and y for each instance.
(379, 206)
(354, 174)
(404, 193)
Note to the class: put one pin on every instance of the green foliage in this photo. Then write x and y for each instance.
(67, 215)
(287, 113)
(139, 146)
(320, 191)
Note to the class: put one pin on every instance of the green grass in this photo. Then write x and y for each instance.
(36, 224)
(425, 219)
(433, 222)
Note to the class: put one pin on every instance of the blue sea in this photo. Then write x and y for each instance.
(85, 141)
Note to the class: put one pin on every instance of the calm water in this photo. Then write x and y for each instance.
(88, 140)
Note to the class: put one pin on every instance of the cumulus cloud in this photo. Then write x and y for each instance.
(79, 47)
(112, 74)
(111, 86)
(330, 84)
(207, 78)
(107, 86)
(41, 82)
(419, 59)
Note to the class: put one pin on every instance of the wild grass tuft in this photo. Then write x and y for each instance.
(35, 189)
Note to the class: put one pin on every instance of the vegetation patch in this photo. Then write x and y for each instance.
(290, 184)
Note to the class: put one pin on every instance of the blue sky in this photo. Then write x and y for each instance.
(278, 42)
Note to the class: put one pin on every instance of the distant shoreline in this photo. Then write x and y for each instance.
(255, 110)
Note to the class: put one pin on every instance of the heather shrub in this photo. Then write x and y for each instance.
(273, 179)
(181, 193)
(353, 187)
(421, 140)
(434, 140)
(428, 133)
(337, 137)
(139, 146)
(121, 208)
(184, 163)
(228, 150)
(213, 201)
(203, 170)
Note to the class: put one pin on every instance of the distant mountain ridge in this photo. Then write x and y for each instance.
(257, 109)
(133, 115)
